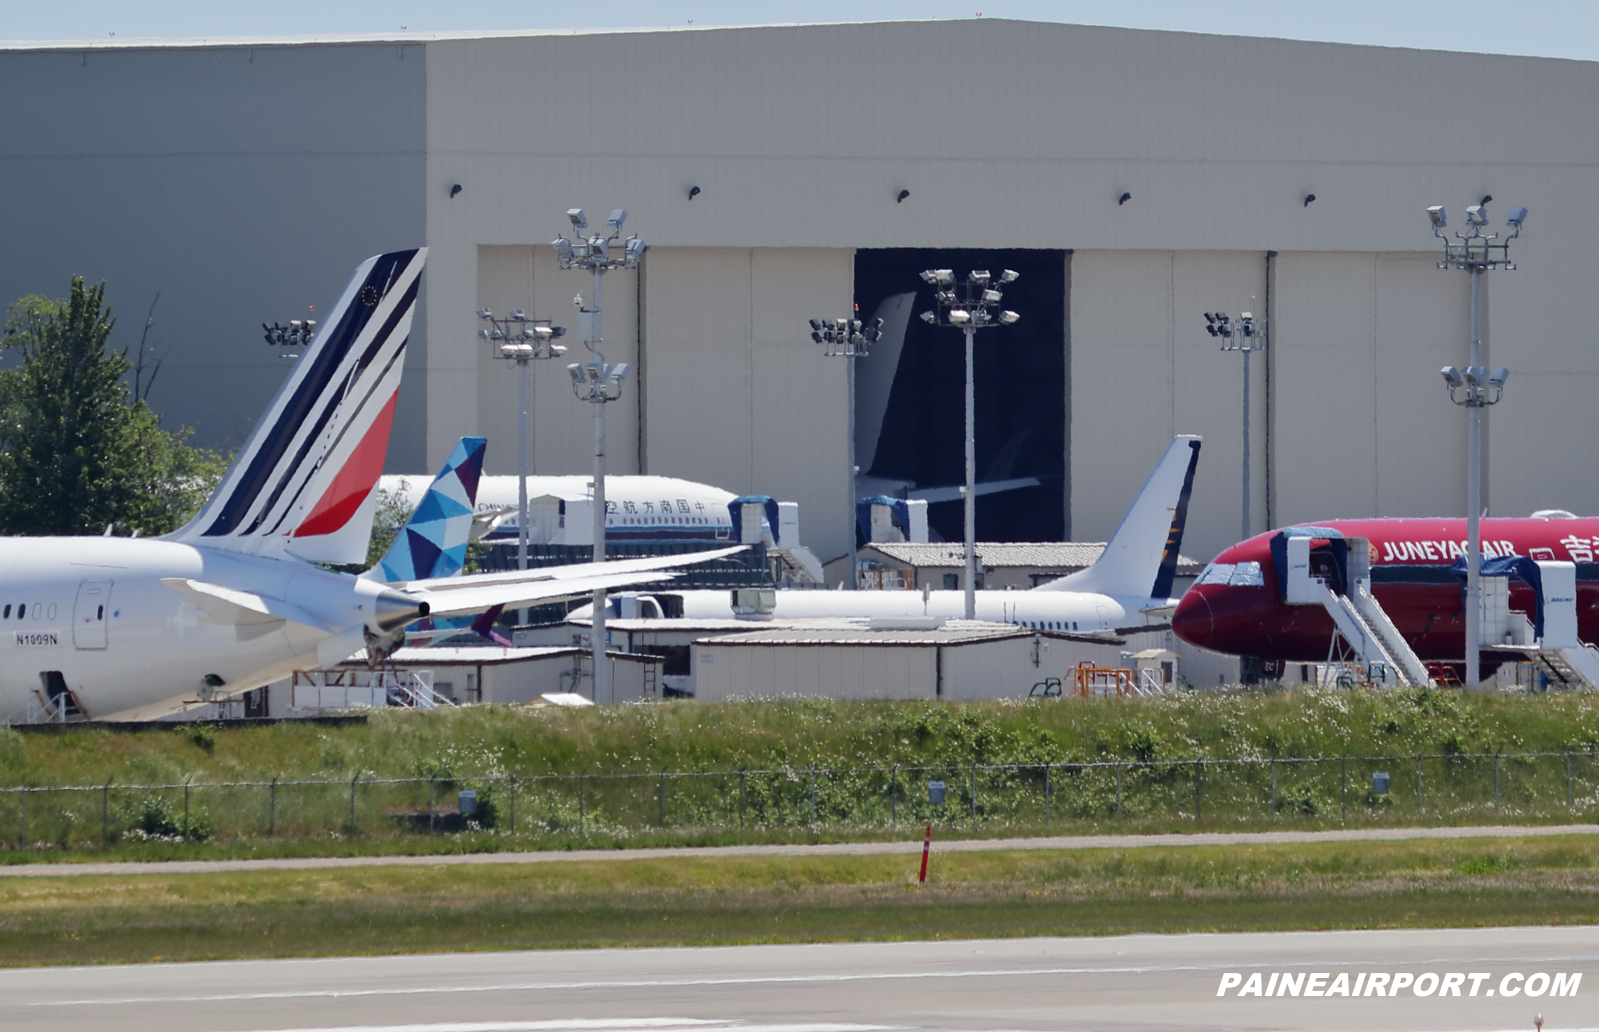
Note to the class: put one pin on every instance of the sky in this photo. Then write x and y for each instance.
(1541, 28)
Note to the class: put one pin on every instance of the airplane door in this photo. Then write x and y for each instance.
(89, 615)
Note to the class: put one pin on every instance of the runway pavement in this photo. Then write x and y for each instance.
(1131, 983)
(912, 843)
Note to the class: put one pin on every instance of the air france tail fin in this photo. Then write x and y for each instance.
(1141, 558)
(433, 541)
(303, 485)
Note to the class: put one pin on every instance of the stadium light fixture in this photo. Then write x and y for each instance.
(969, 306)
(1474, 388)
(598, 382)
(521, 339)
(1244, 340)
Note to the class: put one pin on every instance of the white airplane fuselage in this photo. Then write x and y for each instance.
(96, 610)
(1068, 611)
(638, 508)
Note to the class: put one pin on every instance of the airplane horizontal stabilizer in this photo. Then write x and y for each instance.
(231, 606)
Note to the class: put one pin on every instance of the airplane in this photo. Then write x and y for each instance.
(1237, 605)
(1127, 590)
(120, 628)
(638, 509)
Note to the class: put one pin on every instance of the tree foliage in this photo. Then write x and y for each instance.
(77, 451)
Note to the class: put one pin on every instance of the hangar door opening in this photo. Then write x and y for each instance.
(910, 394)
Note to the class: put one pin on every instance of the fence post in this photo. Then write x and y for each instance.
(1568, 779)
(741, 800)
(1046, 795)
(432, 823)
(24, 816)
(513, 804)
(660, 798)
(813, 795)
(1343, 806)
(1418, 783)
(893, 793)
(580, 814)
(1118, 790)
(272, 809)
(353, 778)
(974, 791)
(1496, 782)
(105, 811)
(1199, 790)
(186, 805)
(1274, 786)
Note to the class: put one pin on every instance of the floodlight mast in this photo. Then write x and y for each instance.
(1244, 341)
(598, 382)
(516, 338)
(1475, 388)
(969, 306)
(849, 338)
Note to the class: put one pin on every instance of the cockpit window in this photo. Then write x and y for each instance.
(1217, 573)
(1247, 575)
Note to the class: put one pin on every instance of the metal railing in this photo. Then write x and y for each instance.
(1238, 792)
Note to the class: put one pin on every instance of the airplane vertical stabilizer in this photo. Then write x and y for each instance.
(433, 541)
(303, 484)
(1140, 559)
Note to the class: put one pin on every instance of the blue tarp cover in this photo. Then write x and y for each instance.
(736, 508)
(1517, 566)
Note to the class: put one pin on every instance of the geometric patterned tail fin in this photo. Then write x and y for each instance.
(433, 541)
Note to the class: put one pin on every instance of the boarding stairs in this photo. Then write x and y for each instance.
(1559, 654)
(1360, 619)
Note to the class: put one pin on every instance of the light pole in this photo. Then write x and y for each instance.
(847, 338)
(598, 382)
(521, 340)
(1472, 386)
(969, 306)
(1242, 340)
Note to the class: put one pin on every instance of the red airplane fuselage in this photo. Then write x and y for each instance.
(1242, 612)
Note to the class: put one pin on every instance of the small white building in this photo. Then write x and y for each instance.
(455, 675)
(851, 659)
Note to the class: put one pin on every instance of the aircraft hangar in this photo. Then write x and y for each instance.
(1137, 178)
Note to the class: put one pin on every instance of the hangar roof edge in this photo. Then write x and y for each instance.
(421, 38)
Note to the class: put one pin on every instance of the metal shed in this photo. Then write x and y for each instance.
(852, 660)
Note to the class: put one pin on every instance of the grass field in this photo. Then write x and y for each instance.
(491, 741)
(816, 771)
(695, 901)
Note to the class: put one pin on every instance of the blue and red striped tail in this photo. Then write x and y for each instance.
(304, 484)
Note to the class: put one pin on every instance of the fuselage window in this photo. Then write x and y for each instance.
(8, 612)
(22, 610)
(38, 610)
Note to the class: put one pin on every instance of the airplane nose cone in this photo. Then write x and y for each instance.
(1192, 621)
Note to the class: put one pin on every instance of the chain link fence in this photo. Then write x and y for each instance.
(1235, 793)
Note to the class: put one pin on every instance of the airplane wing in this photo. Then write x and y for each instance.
(458, 596)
